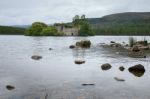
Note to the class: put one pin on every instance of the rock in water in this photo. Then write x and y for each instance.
(79, 61)
(118, 79)
(72, 46)
(88, 84)
(9, 87)
(137, 70)
(106, 66)
(50, 49)
(36, 57)
(135, 49)
(112, 42)
(84, 44)
(121, 68)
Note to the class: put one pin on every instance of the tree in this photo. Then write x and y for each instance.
(36, 29)
(50, 31)
(76, 20)
(83, 17)
(85, 29)
(77, 17)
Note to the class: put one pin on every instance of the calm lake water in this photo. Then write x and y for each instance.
(56, 76)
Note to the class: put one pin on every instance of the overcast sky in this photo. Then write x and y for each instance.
(22, 12)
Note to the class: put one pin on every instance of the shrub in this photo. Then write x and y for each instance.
(50, 31)
(36, 29)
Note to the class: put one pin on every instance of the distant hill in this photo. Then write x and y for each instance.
(8, 30)
(129, 23)
(22, 26)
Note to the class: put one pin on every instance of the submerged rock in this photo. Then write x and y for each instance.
(88, 84)
(118, 79)
(112, 42)
(36, 57)
(50, 49)
(121, 68)
(72, 46)
(9, 87)
(106, 66)
(137, 70)
(79, 61)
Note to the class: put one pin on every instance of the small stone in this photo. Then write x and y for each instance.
(121, 68)
(79, 61)
(88, 84)
(36, 57)
(118, 79)
(106, 66)
(50, 49)
(9, 87)
(112, 42)
(72, 46)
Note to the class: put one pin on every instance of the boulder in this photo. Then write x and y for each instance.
(144, 48)
(135, 49)
(137, 70)
(79, 61)
(106, 66)
(36, 57)
(84, 44)
(72, 46)
(121, 68)
(9, 87)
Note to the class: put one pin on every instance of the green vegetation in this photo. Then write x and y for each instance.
(50, 31)
(36, 29)
(85, 29)
(83, 25)
(130, 28)
(7, 30)
(122, 24)
(41, 29)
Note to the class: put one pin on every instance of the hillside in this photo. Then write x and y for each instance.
(129, 23)
(8, 30)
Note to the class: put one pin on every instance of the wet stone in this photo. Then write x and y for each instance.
(106, 66)
(137, 70)
(121, 68)
(36, 57)
(10, 87)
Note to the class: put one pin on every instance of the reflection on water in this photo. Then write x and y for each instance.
(57, 76)
(79, 52)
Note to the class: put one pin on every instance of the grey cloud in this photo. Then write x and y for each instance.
(14, 12)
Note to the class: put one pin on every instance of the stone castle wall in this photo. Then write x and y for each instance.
(67, 31)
